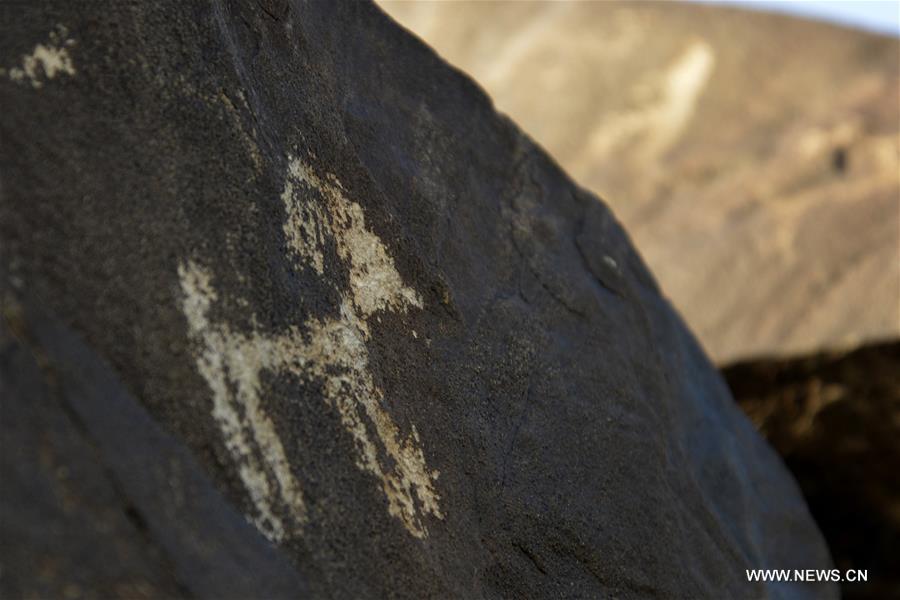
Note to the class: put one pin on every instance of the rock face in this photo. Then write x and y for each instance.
(98, 500)
(835, 418)
(277, 259)
(752, 157)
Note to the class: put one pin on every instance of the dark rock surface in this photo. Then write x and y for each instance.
(98, 500)
(835, 418)
(391, 332)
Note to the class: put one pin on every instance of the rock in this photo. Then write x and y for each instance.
(752, 157)
(835, 418)
(98, 500)
(310, 274)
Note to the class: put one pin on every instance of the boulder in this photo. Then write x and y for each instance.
(288, 307)
(98, 499)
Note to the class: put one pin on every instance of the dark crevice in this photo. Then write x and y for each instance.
(532, 558)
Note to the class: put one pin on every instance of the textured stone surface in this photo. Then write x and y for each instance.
(835, 418)
(97, 499)
(387, 328)
(753, 158)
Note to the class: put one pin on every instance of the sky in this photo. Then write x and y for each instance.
(882, 16)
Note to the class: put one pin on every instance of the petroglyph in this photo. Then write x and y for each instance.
(374, 281)
(46, 61)
(302, 229)
(231, 364)
(331, 351)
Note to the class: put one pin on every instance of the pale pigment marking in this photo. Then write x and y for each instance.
(230, 363)
(46, 61)
(339, 344)
(610, 261)
(375, 285)
(301, 229)
(332, 351)
(374, 280)
(656, 125)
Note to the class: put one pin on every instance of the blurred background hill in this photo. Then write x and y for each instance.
(753, 158)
